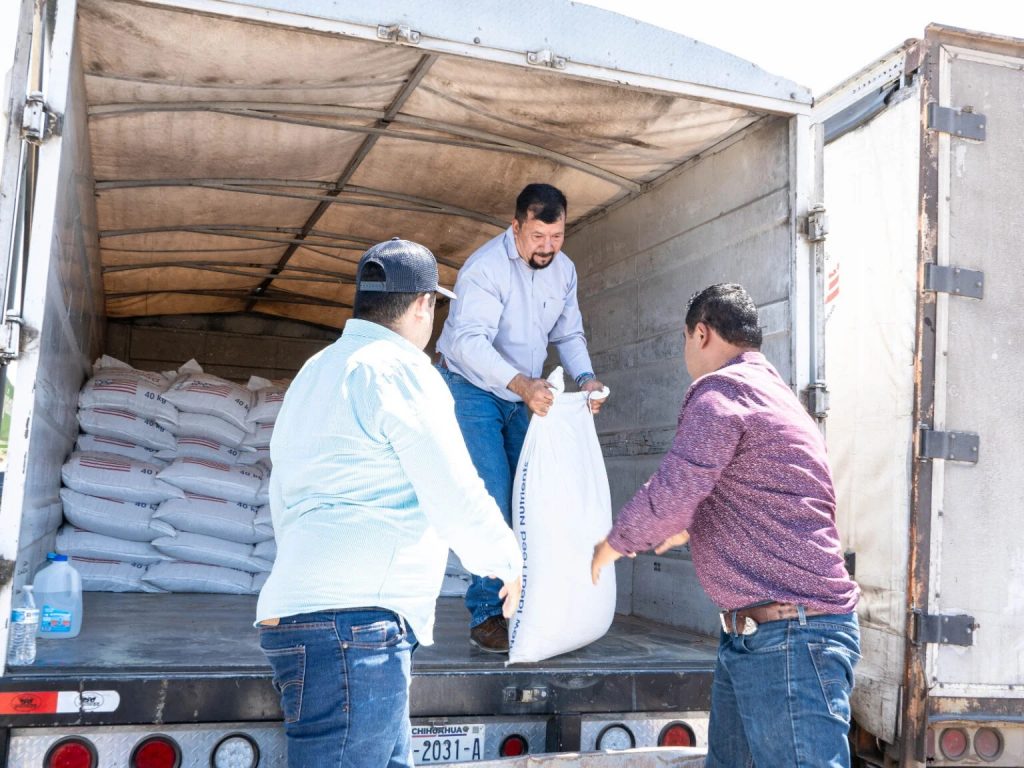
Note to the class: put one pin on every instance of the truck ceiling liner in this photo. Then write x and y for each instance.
(244, 164)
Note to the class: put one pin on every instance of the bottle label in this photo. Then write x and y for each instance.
(25, 615)
(55, 620)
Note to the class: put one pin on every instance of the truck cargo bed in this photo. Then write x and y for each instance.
(136, 644)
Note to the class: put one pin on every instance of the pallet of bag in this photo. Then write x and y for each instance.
(170, 489)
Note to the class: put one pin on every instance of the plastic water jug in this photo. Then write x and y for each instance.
(58, 591)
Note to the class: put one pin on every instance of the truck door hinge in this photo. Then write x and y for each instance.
(817, 224)
(955, 280)
(529, 695)
(545, 58)
(398, 33)
(965, 123)
(939, 629)
(816, 395)
(951, 446)
(38, 122)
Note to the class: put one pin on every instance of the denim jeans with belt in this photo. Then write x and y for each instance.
(494, 431)
(344, 679)
(781, 696)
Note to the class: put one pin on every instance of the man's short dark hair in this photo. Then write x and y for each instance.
(379, 307)
(545, 202)
(729, 310)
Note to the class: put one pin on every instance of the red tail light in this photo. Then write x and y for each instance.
(156, 752)
(514, 746)
(71, 753)
(953, 743)
(676, 735)
(988, 743)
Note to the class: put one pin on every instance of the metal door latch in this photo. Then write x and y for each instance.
(545, 58)
(534, 695)
(38, 122)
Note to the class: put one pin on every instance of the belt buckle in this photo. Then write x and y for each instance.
(749, 625)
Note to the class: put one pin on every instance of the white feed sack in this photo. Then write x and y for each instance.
(232, 521)
(213, 428)
(116, 477)
(111, 576)
(92, 443)
(214, 478)
(196, 577)
(203, 448)
(74, 542)
(208, 550)
(259, 437)
(131, 520)
(267, 399)
(561, 508)
(127, 389)
(198, 392)
(266, 550)
(125, 425)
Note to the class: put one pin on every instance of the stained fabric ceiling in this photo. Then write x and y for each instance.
(243, 167)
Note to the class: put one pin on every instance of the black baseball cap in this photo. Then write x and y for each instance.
(408, 268)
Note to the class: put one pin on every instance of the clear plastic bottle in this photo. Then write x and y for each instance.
(59, 597)
(21, 647)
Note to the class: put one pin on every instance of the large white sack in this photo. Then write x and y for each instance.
(258, 456)
(116, 477)
(131, 520)
(210, 428)
(199, 392)
(197, 548)
(196, 577)
(561, 507)
(203, 448)
(228, 520)
(111, 576)
(129, 390)
(258, 580)
(266, 550)
(125, 425)
(260, 435)
(77, 543)
(92, 443)
(214, 478)
(266, 401)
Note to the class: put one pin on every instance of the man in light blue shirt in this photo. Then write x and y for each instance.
(371, 484)
(517, 295)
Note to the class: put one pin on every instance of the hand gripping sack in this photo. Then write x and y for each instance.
(561, 508)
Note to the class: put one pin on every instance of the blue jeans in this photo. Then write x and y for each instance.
(781, 696)
(494, 431)
(344, 678)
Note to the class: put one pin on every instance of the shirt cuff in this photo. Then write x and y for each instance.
(619, 544)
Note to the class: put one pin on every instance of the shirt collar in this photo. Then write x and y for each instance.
(510, 245)
(750, 356)
(364, 329)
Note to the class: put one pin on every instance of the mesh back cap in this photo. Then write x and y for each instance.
(408, 268)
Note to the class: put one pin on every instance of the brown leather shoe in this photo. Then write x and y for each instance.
(490, 635)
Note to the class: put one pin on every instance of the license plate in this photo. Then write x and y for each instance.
(461, 743)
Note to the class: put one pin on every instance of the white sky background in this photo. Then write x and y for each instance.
(817, 44)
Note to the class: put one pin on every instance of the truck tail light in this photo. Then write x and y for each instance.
(953, 743)
(156, 752)
(676, 735)
(988, 743)
(236, 750)
(71, 753)
(616, 736)
(514, 746)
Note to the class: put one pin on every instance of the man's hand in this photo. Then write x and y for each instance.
(537, 394)
(675, 541)
(594, 386)
(603, 555)
(510, 594)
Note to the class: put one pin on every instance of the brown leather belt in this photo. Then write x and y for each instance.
(748, 619)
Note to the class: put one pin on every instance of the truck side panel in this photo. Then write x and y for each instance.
(63, 312)
(724, 217)
(871, 282)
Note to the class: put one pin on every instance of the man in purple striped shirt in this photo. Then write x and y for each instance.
(747, 482)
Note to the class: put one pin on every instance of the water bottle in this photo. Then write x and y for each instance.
(59, 597)
(21, 648)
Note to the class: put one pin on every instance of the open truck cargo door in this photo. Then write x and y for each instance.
(967, 552)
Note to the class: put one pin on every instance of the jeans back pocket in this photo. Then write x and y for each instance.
(289, 665)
